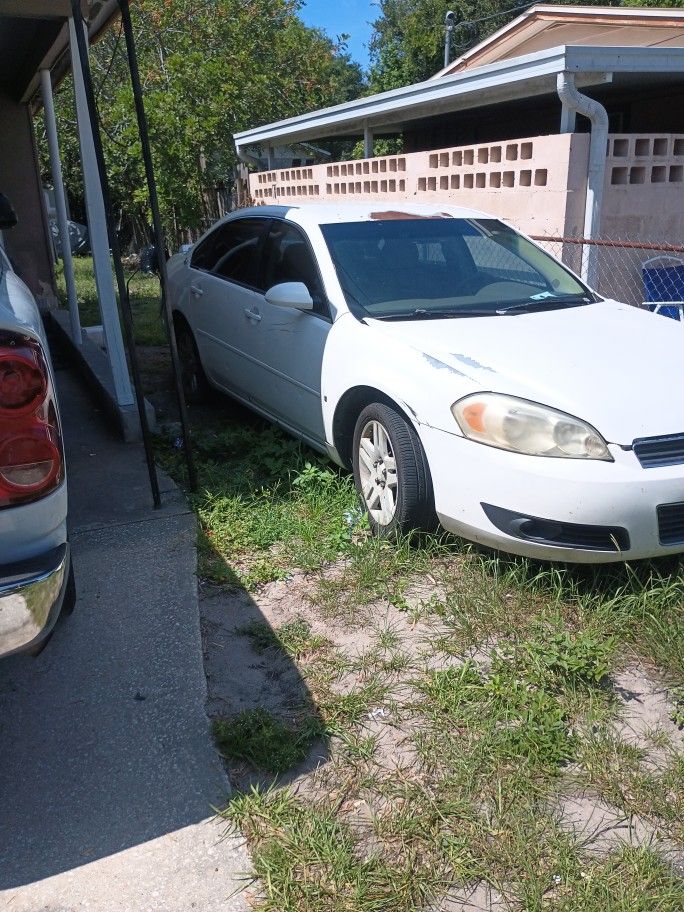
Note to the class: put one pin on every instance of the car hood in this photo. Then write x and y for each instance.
(618, 367)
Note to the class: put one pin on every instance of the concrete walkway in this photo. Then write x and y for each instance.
(107, 768)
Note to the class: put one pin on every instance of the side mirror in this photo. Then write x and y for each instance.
(8, 217)
(290, 294)
(149, 260)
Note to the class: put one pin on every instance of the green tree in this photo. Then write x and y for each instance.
(209, 69)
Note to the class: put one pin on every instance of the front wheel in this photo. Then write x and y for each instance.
(193, 378)
(391, 473)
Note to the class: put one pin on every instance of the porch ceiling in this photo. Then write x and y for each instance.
(24, 44)
(33, 36)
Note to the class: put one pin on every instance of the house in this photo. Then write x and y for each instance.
(568, 122)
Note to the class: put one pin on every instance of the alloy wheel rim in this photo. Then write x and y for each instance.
(378, 473)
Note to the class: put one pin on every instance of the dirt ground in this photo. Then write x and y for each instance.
(241, 678)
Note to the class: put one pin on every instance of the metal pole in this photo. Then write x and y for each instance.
(449, 24)
(367, 141)
(158, 236)
(97, 223)
(116, 253)
(60, 204)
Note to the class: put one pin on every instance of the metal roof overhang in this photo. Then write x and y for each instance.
(34, 36)
(507, 80)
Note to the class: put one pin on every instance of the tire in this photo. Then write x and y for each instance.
(69, 600)
(194, 380)
(393, 480)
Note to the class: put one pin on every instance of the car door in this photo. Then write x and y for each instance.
(222, 299)
(290, 343)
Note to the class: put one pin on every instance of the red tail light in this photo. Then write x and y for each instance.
(31, 454)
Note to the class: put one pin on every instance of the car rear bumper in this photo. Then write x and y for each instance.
(580, 511)
(31, 595)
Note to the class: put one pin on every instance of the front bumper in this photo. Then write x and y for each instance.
(31, 595)
(619, 494)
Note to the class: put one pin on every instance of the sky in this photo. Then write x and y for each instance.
(338, 17)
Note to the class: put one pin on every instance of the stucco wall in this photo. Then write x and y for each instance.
(27, 243)
(537, 184)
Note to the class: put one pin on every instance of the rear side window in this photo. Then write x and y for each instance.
(231, 250)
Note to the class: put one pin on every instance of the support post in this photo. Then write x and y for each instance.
(367, 141)
(60, 204)
(159, 240)
(81, 47)
(97, 220)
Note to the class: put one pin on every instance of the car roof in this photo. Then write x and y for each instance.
(325, 213)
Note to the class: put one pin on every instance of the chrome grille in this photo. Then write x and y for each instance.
(653, 452)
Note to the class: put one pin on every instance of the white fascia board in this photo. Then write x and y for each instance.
(398, 101)
(584, 58)
(485, 85)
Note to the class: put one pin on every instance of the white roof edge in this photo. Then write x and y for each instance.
(625, 12)
(589, 59)
(395, 99)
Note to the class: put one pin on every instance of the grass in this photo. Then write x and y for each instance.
(294, 638)
(260, 739)
(144, 297)
(266, 504)
(482, 692)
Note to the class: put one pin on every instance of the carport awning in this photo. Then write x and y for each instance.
(516, 78)
(34, 35)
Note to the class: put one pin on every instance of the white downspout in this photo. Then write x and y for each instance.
(60, 204)
(597, 115)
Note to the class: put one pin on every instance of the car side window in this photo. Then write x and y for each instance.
(287, 257)
(230, 251)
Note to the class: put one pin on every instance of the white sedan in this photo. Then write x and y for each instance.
(458, 369)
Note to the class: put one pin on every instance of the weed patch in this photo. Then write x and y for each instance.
(257, 737)
(274, 509)
(294, 638)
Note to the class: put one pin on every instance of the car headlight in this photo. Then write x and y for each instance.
(525, 427)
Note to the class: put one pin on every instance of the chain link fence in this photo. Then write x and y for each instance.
(642, 274)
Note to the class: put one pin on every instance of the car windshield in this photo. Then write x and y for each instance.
(407, 267)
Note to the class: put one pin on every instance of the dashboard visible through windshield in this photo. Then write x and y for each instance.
(425, 268)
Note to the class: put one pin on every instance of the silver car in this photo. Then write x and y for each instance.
(36, 578)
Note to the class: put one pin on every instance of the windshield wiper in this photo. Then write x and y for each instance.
(421, 314)
(544, 304)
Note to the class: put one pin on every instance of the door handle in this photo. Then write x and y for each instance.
(252, 315)
(196, 291)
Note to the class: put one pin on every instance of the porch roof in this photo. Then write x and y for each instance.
(34, 36)
(506, 80)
